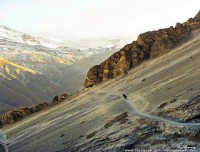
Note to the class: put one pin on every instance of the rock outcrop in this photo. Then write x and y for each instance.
(13, 116)
(16, 115)
(62, 97)
(181, 111)
(149, 45)
(120, 118)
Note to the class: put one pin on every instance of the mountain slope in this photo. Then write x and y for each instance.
(23, 38)
(34, 69)
(53, 58)
(21, 86)
(148, 45)
(161, 93)
(73, 75)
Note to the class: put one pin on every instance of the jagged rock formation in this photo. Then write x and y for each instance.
(13, 116)
(148, 45)
(16, 115)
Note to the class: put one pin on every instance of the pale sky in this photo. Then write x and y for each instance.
(67, 19)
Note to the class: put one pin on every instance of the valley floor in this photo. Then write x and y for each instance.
(161, 111)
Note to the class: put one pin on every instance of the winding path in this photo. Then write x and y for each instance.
(134, 110)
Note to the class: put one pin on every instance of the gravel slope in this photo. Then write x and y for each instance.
(81, 122)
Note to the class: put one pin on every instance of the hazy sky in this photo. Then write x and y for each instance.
(94, 18)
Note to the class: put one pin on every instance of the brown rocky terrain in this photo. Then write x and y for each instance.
(155, 107)
(181, 111)
(148, 46)
(13, 116)
(16, 115)
(160, 111)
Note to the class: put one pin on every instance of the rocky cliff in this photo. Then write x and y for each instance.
(149, 45)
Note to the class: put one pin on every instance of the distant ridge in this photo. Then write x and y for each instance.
(148, 45)
(22, 86)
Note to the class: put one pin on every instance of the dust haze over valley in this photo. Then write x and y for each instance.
(34, 69)
(112, 84)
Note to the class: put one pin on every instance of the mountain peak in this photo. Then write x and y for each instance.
(25, 38)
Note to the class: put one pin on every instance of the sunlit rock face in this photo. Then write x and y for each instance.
(149, 45)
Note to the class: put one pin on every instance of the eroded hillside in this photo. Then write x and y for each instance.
(160, 112)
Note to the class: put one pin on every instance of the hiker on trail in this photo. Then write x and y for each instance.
(3, 142)
(125, 96)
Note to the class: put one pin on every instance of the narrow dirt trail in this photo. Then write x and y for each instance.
(134, 110)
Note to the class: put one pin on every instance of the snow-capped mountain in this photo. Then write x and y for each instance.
(37, 49)
(57, 67)
(27, 39)
(23, 47)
